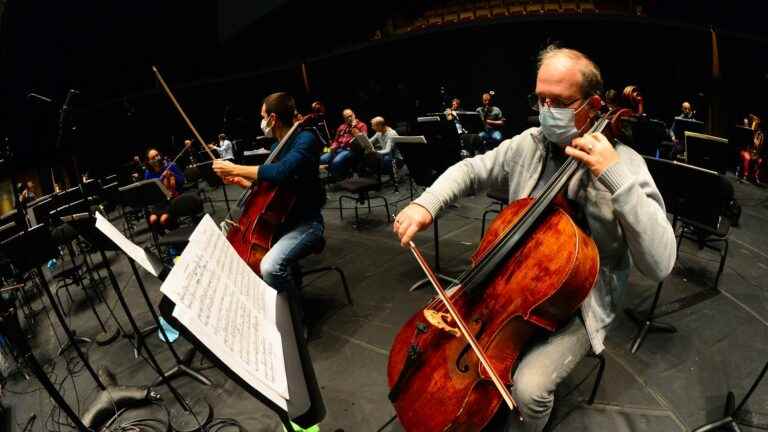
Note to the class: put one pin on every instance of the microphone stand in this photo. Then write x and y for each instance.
(63, 114)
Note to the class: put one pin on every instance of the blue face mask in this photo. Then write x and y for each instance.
(558, 124)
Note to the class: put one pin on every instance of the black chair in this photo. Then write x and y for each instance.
(365, 181)
(500, 197)
(185, 210)
(703, 218)
(300, 273)
(598, 378)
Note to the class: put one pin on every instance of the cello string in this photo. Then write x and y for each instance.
(556, 183)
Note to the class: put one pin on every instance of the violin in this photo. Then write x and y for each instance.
(169, 181)
(451, 364)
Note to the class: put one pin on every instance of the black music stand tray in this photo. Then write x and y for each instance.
(731, 414)
(415, 151)
(199, 410)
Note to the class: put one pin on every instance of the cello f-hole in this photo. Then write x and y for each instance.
(461, 363)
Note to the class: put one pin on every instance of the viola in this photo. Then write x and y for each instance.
(451, 364)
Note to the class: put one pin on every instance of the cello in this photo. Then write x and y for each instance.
(451, 364)
(265, 206)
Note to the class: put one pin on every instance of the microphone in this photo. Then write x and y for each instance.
(37, 96)
(73, 91)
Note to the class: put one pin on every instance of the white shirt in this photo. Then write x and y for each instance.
(225, 149)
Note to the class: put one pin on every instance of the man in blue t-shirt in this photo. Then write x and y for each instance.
(297, 169)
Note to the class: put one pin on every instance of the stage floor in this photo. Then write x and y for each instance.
(675, 382)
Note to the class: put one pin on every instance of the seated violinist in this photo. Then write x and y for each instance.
(613, 197)
(341, 158)
(171, 177)
(296, 169)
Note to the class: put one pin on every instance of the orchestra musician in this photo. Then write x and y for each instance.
(27, 195)
(318, 109)
(686, 111)
(225, 149)
(341, 157)
(493, 120)
(611, 99)
(297, 168)
(615, 200)
(171, 177)
(382, 143)
(753, 158)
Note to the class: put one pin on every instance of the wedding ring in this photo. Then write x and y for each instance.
(589, 148)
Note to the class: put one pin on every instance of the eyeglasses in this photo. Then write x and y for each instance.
(535, 102)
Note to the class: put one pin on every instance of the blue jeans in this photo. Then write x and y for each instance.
(491, 138)
(338, 161)
(279, 265)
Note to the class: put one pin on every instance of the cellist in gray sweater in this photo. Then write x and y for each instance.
(613, 193)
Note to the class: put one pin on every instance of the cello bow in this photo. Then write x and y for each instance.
(463, 329)
(181, 111)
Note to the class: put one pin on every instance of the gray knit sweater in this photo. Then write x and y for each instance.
(623, 208)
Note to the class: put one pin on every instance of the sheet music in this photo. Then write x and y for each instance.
(134, 251)
(230, 309)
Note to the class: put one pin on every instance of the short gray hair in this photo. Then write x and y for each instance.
(591, 79)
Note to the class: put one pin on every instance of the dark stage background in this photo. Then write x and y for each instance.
(222, 59)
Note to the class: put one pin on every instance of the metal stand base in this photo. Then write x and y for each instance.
(184, 367)
(134, 338)
(199, 415)
(106, 337)
(646, 325)
(68, 344)
(731, 413)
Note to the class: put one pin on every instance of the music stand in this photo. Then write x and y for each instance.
(682, 125)
(316, 411)
(417, 156)
(707, 151)
(443, 140)
(648, 136)
(144, 194)
(84, 223)
(106, 337)
(470, 121)
(11, 330)
(39, 210)
(29, 251)
(683, 187)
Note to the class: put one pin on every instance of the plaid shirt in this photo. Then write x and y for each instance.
(344, 135)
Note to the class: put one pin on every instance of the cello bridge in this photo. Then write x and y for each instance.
(440, 320)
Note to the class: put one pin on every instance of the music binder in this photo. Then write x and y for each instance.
(304, 405)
